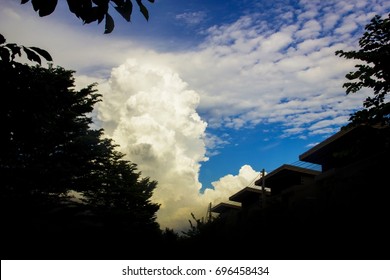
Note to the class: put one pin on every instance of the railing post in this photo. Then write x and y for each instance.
(263, 194)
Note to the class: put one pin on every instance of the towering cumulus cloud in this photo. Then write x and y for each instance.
(151, 113)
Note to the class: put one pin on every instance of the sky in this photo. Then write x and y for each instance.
(207, 93)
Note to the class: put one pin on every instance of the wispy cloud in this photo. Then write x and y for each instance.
(214, 143)
(243, 70)
(192, 18)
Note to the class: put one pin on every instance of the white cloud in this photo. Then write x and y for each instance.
(338, 121)
(346, 27)
(311, 45)
(150, 112)
(310, 29)
(230, 184)
(276, 41)
(330, 20)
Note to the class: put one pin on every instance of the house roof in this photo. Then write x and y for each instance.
(322, 153)
(245, 193)
(225, 207)
(282, 176)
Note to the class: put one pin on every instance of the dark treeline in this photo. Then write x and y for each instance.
(63, 184)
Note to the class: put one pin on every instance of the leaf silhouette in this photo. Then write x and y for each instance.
(109, 24)
(43, 53)
(31, 55)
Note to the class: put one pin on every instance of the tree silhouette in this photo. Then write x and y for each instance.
(61, 179)
(373, 73)
(92, 10)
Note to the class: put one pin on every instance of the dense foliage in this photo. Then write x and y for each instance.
(373, 73)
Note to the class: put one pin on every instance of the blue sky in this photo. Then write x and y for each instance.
(207, 93)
